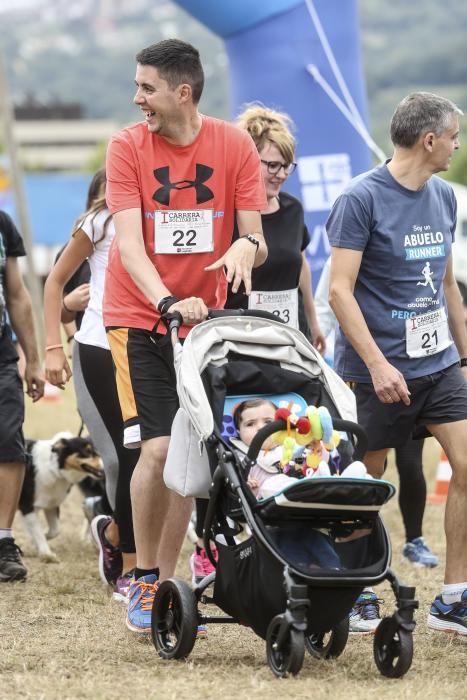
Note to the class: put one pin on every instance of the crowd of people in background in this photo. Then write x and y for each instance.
(121, 270)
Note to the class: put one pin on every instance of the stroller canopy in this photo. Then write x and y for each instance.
(211, 343)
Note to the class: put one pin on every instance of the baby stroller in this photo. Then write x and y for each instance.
(293, 605)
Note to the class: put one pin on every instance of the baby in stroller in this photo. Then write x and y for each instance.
(307, 548)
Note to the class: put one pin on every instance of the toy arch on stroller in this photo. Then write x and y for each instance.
(292, 604)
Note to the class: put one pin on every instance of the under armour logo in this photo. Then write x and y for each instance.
(203, 193)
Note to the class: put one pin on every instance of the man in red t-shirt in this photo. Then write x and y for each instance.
(174, 184)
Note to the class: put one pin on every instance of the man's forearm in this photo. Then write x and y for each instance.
(249, 223)
(262, 252)
(22, 321)
(146, 277)
(353, 324)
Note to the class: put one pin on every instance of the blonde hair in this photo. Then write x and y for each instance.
(265, 124)
(95, 203)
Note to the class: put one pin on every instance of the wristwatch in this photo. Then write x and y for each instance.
(165, 303)
(252, 239)
(463, 362)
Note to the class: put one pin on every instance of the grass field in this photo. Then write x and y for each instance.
(63, 637)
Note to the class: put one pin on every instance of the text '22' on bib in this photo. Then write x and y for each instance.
(183, 231)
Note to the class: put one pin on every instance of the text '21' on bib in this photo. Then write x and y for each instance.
(427, 334)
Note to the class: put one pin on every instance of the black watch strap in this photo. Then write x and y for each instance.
(463, 361)
(252, 239)
(164, 304)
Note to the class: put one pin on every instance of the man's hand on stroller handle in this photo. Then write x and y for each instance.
(193, 310)
(173, 317)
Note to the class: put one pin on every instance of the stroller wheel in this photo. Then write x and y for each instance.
(393, 648)
(288, 658)
(174, 620)
(329, 645)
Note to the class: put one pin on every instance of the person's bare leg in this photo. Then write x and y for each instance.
(128, 561)
(374, 461)
(173, 533)
(150, 501)
(11, 481)
(453, 440)
(160, 516)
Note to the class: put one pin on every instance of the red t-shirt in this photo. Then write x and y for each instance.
(219, 171)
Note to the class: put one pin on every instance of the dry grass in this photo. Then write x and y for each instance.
(61, 635)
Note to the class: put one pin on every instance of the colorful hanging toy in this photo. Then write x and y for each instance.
(310, 437)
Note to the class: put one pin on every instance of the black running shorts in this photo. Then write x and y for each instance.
(435, 398)
(146, 382)
(11, 415)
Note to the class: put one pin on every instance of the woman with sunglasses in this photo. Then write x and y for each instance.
(283, 284)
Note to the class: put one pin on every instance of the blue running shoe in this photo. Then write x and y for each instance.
(202, 632)
(449, 618)
(365, 617)
(140, 600)
(418, 554)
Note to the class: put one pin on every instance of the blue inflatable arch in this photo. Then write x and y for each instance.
(303, 57)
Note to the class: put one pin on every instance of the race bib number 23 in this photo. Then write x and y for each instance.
(283, 304)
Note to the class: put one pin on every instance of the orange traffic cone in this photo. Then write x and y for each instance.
(443, 477)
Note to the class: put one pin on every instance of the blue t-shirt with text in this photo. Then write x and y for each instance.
(406, 239)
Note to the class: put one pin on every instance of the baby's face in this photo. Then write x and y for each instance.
(253, 419)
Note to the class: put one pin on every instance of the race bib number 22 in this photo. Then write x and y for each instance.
(178, 232)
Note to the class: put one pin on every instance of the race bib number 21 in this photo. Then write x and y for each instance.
(178, 232)
(427, 334)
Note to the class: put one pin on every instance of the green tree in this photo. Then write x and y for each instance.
(458, 170)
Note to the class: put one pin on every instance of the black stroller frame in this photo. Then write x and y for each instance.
(292, 620)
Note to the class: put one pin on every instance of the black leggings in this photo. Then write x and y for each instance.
(412, 487)
(99, 375)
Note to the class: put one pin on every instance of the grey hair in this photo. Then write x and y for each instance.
(419, 113)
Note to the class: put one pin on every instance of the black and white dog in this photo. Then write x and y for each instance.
(52, 468)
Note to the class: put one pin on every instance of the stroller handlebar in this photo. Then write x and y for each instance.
(173, 320)
(256, 313)
(338, 423)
